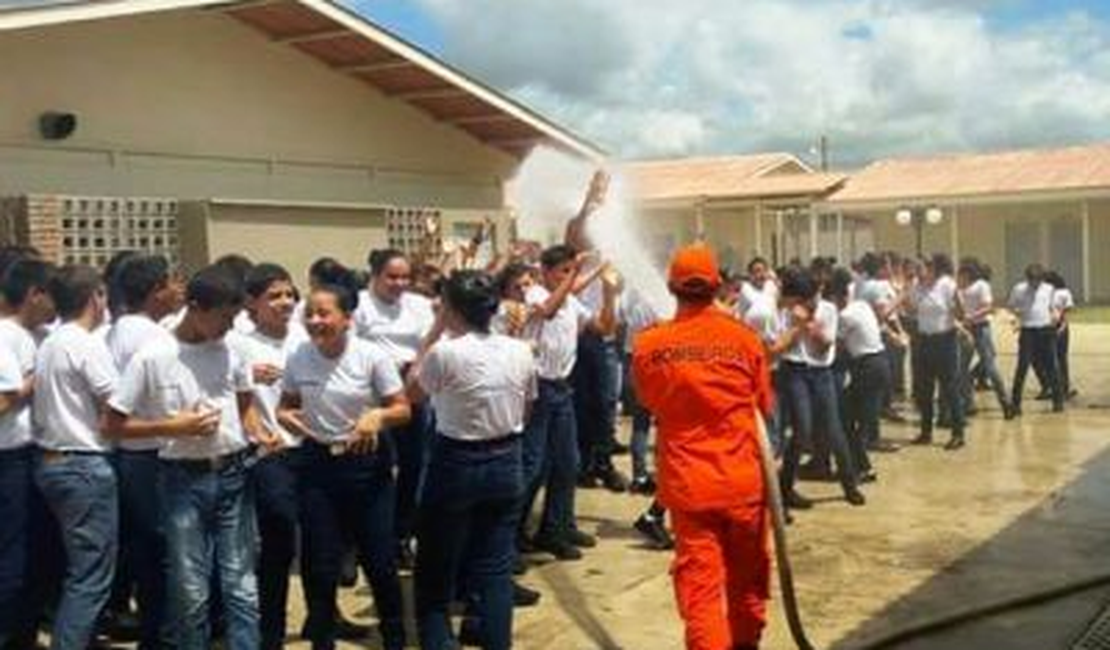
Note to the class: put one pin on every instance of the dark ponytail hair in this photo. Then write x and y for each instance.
(381, 257)
(473, 295)
(342, 283)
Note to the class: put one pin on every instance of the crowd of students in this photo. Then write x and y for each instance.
(174, 441)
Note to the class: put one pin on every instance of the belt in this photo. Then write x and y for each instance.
(557, 383)
(486, 444)
(217, 464)
(58, 455)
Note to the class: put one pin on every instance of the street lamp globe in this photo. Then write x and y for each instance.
(904, 217)
(934, 215)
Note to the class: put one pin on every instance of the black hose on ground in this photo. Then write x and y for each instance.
(987, 610)
(906, 634)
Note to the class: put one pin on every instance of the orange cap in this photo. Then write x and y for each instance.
(694, 263)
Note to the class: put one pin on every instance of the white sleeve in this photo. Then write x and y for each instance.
(131, 387)
(384, 376)
(986, 295)
(242, 379)
(99, 369)
(11, 375)
(829, 323)
(431, 372)
(290, 375)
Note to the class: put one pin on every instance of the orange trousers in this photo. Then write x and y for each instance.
(721, 576)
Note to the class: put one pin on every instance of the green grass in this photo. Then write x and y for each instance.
(1090, 314)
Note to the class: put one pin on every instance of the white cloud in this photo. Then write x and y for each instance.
(658, 77)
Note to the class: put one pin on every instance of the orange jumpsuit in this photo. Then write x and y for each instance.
(703, 376)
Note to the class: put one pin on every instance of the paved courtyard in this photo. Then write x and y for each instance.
(1022, 508)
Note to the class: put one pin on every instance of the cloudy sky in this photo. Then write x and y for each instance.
(653, 78)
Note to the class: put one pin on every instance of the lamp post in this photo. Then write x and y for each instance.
(918, 218)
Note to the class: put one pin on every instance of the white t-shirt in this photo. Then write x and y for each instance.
(1033, 307)
(19, 344)
(336, 392)
(1062, 300)
(805, 349)
(556, 338)
(256, 348)
(763, 298)
(163, 380)
(397, 328)
(479, 385)
(129, 334)
(878, 293)
(763, 317)
(936, 306)
(74, 374)
(859, 329)
(975, 297)
(637, 315)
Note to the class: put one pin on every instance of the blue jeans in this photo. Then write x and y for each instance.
(144, 540)
(551, 457)
(864, 404)
(469, 509)
(210, 530)
(641, 431)
(277, 489)
(80, 490)
(596, 381)
(940, 360)
(350, 496)
(811, 397)
(411, 445)
(16, 486)
(988, 362)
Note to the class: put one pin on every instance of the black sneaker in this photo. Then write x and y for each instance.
(854, 497)
(868, 477)
(588, 481)
(560, 548)
(1009, 412)
(655, 531)
(348, 630)
(523, 596)
(882, 446)
(580, 539)
(613, 480)
(954, 443)
(644, 484)
(923, 439)
(1043, 396)
(794, 501)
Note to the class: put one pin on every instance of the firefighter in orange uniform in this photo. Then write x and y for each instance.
(704, 376)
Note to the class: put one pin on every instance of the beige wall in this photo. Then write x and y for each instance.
(195, 105)
(983, 233)
(292, 237)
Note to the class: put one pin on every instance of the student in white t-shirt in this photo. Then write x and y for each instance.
(937, 308)
(556, 318)
(271, 298)
(26, 307)
(74, 377)
(341, 392)
(861, 340)
(1062, 303)
(977, 303)
(396, 319)
(481, 384)
(1031, 301)
(139, 287)
(194, 391)
(808, 385)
